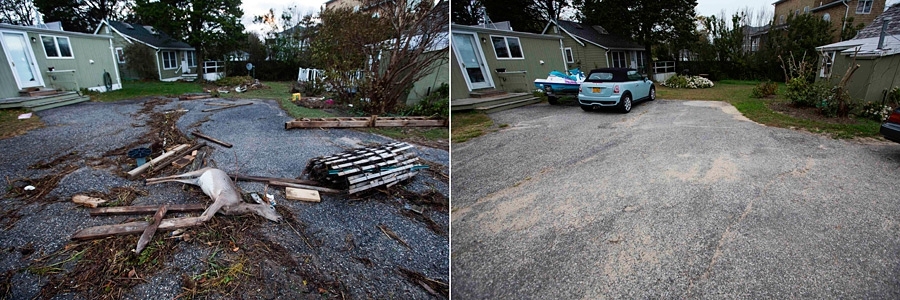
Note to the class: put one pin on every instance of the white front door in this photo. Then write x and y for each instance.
(21, 59)
(471, 61)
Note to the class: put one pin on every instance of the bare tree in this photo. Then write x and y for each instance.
(17, 12)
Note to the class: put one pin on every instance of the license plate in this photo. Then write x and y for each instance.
(596, 90)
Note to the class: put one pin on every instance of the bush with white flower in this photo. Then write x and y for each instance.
(688, 82)
(875, 111)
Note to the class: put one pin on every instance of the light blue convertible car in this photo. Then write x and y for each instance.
(617, 87)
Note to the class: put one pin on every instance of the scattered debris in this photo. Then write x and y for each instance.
(103, 231)
(374, 121)
(29, 188)
(287, 182)
(25, 116)
(141, 169)
(362, 169)
(87, 201)
(302, 194)
(150, 230)
(432, 286)
(211, 139)
(391, 234)
(140, 155)
(308, 187)
(184, 160)
(226, 107)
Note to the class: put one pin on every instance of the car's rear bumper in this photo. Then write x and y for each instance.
(599, 101)
(891, 131)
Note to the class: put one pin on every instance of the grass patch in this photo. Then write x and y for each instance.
(299, 112)
(428, 136)
(139, 89)
(466, 126)
(11, 126)
(738, 93)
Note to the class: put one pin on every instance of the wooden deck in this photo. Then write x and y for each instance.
(494, 103)
(38, 103)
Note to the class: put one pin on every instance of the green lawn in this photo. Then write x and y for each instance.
(737, 93)
(11, 126)
(468, 125)
(139, 89)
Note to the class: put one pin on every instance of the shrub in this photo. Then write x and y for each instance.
(804, 94)
(764, 89)
(894, 96)
(436, 104)
(874, 111)
(828, 101)
(688, 82)
(140, 60)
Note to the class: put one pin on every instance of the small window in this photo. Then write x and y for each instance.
(569, 57)
(827, 62)
(619, 59)
(864, 6)
(170, 60)
(120, 55)
(507, 47)
(781, 19)
(56, 46)
(189, 57)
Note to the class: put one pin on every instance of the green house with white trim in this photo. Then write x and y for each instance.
(46, 58)
(592, 47)
(175, 59)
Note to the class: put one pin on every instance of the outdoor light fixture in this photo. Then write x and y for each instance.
(482, 40)
(33, 40)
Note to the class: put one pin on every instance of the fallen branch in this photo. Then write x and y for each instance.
(390, 233)
(211, 139)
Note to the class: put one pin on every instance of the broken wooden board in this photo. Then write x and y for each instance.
(103, 231)
(141, 169)
(150, 230)
(147, 209)
(177, 156)
(308, 187)
(211, 139)
(87, 201)
(226, 107)
(270, 179)
(302, 194)
(194, 96)
(374, 121)
(183, 161)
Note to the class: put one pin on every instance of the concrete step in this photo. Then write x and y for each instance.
(486, 93)
(509, 105)
(18, 102)
(473, 103)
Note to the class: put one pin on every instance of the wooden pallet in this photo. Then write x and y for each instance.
(373, 121)
(362, 169)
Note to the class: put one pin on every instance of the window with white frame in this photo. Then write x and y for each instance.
(618, 59)
(190, 59)
(170, 60)
(56, 46)
(864, 6)
(507, 47)
(569, 57)
(120, 55)
(827, 62)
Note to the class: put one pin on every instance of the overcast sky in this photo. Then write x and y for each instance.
(704, 7)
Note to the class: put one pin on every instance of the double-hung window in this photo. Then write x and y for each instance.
(56, 46)
(864, 6)
(618, 59)
(569, 57)
(190, 59)
(170, 60)
(506, 47)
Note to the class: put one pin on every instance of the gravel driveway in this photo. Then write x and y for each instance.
(332, 249)
(678, 199)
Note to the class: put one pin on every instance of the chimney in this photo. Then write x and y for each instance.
(884, 25)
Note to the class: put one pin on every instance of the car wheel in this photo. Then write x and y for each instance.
(625, 103)
(652, 93)
(587, 107)
(553, 100)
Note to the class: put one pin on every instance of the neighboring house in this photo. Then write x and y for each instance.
(510, 61)
(46, 58)
(175, 59)
(754, 37)
(876, 55)
(591, 47)
(834, 11)
(237, 55)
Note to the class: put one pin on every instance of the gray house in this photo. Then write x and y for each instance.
(175, 59)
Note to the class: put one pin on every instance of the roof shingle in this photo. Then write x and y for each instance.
(159, 39)
(597, 35)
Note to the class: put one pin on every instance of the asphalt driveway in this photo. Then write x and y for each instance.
(678, 199)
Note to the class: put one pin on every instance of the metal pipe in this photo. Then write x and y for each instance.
(844, 22)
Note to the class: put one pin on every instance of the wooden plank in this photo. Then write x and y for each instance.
(103, 231)
(309, 187)
(87, 201)
(177, 156)
(226, 107)
(270, 179)
(302, 194)
(143, 168)
(379, 182)
(211, 139)
(146, 209)
(326, 124)
(396, 122)
(150, 230)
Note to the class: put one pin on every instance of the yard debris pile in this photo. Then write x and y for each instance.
(362, 169)
(373, 121)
